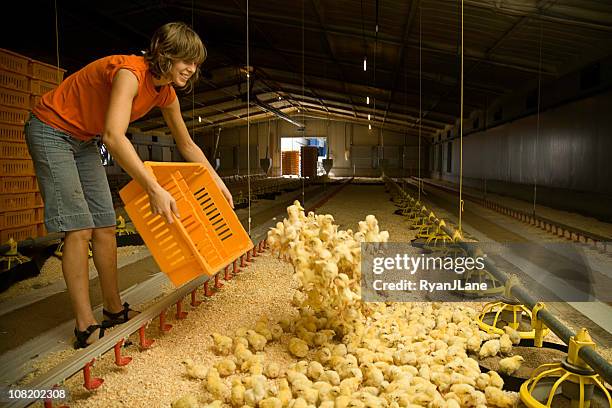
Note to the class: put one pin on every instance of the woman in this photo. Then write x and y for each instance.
(99, 101)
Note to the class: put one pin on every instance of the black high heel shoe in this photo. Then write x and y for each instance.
(83, 336)
(113, 319)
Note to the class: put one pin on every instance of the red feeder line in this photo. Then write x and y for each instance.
(144, 343)
(208, 292)
(180, 315)
(218, 285)
(227, 276)
(236, 267)
(163, 326)
(119, 360)
(91, 383)
(194, 301)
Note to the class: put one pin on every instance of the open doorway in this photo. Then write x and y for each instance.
(303, 156)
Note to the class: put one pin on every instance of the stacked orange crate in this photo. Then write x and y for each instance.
(22, 82)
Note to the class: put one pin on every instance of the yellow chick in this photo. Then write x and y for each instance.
(214, 404)
(509, 365)
(215, 385)
(515, 337)
(284, 392)
(222, 344)
(242, 353)
(343, 401)
(186, 401)
(298, 347)
(237, 393)
(323, 355)
(331, 376)
(315, 370)
(495, 380)
(327, 404)
(272, 370)
(498, 398)
(197, 371)
(256, 340)
(323, 337)
(489, 349)
(287, 324)
(505, 344)
(270, 402)
(276, 330)
(298, 403)
(225, 367)
(373, 376)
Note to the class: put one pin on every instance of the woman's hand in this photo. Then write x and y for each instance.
(226, 192)
(162, 203)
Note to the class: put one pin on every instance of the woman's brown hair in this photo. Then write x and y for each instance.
(175, 42)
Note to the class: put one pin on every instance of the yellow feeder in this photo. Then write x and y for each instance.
(509, 312)
(571, 380)
(12, 257)
(59, 251)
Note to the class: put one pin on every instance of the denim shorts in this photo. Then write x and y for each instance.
(71, 179)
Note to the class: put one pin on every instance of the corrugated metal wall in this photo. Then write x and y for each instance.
(571, 152)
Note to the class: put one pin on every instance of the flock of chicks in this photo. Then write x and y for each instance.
(349, 353)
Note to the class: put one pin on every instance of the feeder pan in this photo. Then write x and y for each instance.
(327, 165)
(265, 164)
(494, 286)
(59, 250)
(569, 382)
(12, 257)
(507, 312)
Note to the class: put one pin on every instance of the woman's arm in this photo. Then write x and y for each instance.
(124, 89)
(188, 149)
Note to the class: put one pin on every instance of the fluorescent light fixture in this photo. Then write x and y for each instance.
(365, 64)
(368, 116)
(200, 119)
(369, 126)
(368, 100)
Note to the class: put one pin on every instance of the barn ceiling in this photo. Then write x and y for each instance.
(307, 56)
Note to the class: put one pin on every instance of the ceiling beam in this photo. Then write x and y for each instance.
(400, 59)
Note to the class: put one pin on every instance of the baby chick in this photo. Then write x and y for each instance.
(315, 370)
(509, 365)
(256, 340)
(298, 347)
(505, 344)
(214, 404)
(489, 349)
(515, 337)
(193, 370)
(499, 398)
(272, 370)
(237, 393)
(223, 344)
(271, 402)
(226, 367)
(284, 392)
(495, 379)
(473, 343)
(242, 353)
(214, 385)
(186, 401)
(331, 376)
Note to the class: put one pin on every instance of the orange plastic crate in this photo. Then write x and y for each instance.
(208, 235)
(14, 81)
(18, 150)
(38, 87)
(12, 219)
(46, 72)
(13, 62)
(18, 184)
(11, 133)
(10, 167)
(13, 202)
(9, 97)
(13, 116)
(19, 233)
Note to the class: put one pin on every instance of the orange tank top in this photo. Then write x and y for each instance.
(78, 105)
